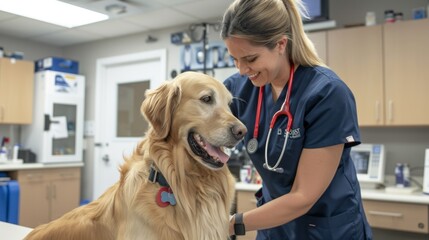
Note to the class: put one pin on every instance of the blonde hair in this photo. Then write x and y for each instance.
(265, 22)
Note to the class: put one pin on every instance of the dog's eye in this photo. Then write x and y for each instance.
(207, 99)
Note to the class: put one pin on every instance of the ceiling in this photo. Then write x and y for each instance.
(140, 16)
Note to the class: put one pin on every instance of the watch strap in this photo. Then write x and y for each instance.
(239, 228)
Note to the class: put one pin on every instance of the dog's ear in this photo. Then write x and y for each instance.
(159, 105)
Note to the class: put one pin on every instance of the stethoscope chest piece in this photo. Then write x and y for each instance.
(252, 145)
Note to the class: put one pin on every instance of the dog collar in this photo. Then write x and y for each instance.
(165, 196)
(156, 176)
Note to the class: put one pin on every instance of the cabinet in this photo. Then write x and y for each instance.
(319, 40)
(46, 194)
(397, 216)
(356, 55)
(16, 86)
(406, 72)
(386, 68)
(245, 202)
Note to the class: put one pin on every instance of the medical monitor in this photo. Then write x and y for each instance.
(369, 161)
(318, 10)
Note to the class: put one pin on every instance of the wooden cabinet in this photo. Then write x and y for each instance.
(245, 202)
(386, 68)
(356, 55)
(406, 51)
(46, 194)
(397, 216)
(319, 40)
(16, 91)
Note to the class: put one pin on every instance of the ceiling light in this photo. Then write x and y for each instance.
(52, 11)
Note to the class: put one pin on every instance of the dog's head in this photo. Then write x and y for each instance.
(194, 109)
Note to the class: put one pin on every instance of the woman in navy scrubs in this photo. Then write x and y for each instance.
(310, 189)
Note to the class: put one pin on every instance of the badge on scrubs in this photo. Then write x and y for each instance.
(252, 145)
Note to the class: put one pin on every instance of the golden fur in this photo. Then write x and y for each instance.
(127, 210)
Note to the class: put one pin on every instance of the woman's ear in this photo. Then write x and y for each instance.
(282, 44)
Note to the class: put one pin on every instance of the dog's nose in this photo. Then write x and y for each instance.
(238, 130)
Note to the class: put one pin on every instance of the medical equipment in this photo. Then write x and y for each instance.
(284, 110)
(369, 161)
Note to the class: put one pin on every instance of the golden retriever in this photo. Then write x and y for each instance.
(175, 185)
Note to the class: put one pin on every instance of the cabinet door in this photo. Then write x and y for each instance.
(355, 54)
(319, 40)
(34, 206)
(16, 84)
(407, 73)
(397, 216)
(245, 202)
(65, 193)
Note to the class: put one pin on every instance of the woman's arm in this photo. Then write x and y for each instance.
(316, 169)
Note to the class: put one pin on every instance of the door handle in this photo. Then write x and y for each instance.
(105, 158)
(99, 144)
(48, 122)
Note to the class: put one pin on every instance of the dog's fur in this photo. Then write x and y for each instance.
(190, 103)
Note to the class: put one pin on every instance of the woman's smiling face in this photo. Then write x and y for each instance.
(261, 64)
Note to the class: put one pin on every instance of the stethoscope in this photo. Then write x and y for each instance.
(252, 145)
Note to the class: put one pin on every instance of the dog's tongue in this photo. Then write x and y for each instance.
(216, 153)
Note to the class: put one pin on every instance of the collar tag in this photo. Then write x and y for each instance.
(165, 197)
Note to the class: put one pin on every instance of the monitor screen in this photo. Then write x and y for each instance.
(369, 162)
(318, 10)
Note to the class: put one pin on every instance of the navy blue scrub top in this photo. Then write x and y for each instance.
(324, 114)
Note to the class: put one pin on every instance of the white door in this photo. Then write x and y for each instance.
(121, 83)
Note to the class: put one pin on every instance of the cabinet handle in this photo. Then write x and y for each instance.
(377, 111)
(66, 175)
(34, 176)
(390, 111)
(54, 192)
(386, 214)
(48, 192)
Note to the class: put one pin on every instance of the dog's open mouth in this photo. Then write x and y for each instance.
(211, 155)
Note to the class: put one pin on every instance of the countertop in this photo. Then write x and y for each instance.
(416, 197)
(27, 166)
(12, 231)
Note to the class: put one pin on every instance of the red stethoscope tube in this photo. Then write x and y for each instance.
(284, 110)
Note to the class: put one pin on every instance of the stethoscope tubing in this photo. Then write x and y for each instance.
(284, 110)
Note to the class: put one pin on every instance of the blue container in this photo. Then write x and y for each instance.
(3, 201)
(13, 202)
(9, 201)
(57, 64)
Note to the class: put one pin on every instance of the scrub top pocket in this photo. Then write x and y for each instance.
(348, 225)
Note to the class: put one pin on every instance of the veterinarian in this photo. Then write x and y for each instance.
(301, 120)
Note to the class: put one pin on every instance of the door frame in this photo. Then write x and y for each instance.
(101, 88)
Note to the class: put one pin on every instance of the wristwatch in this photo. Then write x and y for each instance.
(239, 228)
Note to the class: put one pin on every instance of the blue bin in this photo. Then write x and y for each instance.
(9, 201)
(13, 202)
(3, 201)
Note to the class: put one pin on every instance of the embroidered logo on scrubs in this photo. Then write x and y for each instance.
(294, 133)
